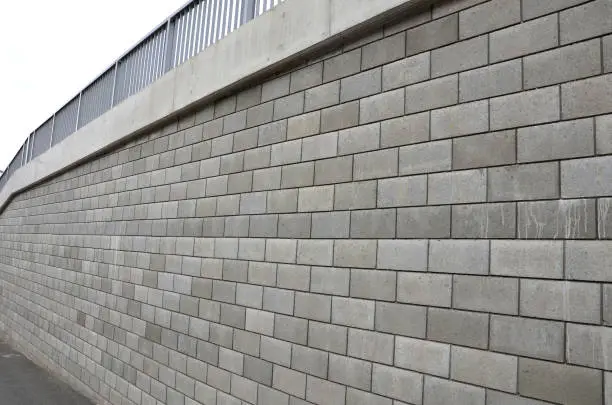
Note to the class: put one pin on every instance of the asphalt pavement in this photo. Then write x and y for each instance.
(24, 383)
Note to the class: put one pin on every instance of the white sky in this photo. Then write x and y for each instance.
(51, 49)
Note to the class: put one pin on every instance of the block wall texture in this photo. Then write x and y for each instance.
(419, 217)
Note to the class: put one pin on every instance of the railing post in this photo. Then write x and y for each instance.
(112, 101)
(52, 131)
(169, 46)
(76, 124)
(248, 10)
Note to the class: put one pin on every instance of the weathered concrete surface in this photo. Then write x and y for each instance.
(24, 383)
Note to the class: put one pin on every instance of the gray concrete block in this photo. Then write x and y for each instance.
(424, 289)
(587, 97)
(383, 51)
(353, 312)
(320, 146)
(225, 106)
(563, 64)
(306, 77)
(263, 226)
(330, 280)
(401, 319)
(272, 133)
(489, 17)
(282, 201)
(290, 329)
(522, 39)
(432, 35)
(322, 392)
(335, 170)
(560, 383)
(286, 152)
(248, 98)
(340, 116)
(249, 295)
(458, 187)
(297, 175)
(275, 351)
(313, 306)
(556, 141)
(351, 372)
(607, 304)
(536, 8)
(561, 219)
(260, 322)
(500, 398)
(253, 203)
(258, 370)
(588, 346)
(406, 71)
(289, 381)
(267, 395)
(315, 252)
(257, 158)
(440, 392)
(528, 337)
(459, 256)
(458, 327)
(399, 384)
(463, 119)
(281, 250)
(497, 148)
(294, 226)
(330, 225)
(373, 284)
(464, 55)
(405, 130)
(423, 222)
(486, 294)
(260, 114)
(401, 192)
(293, 277)
(373, 223)
(372, 346)
(588, 260)
(381, 106)
(262, 273)
(304, 125)
(607, 53)
(561, 300)
(343, 65)
(527, 108)
(356, 195)
(323, 96)
(422, 356)
(586, 177)
(234, 122)
(491, 81)
(585, 21)
(603, 136)
(539, 259)
(524, 182)
(328, 337)
(355, 253)
(359, 139)
(239, 183)
(377, 164)
(432, 94)
(360, 85)
(318, 198)
(425, 157)
(275, 88)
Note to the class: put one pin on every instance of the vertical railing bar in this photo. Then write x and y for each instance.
(189, 24)
(209, 22)
(52, 130)
(76, 126)
(179, 39)
(194, 29)
(198, 30)
(112, 100)
(141, 67)
(223, 19)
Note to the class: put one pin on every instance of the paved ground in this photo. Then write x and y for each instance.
(24, 383)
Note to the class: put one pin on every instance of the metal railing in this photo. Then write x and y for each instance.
(197, 25)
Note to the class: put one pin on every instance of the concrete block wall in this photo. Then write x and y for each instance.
(417, 217)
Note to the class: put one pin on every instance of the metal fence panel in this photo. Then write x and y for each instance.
(196, 26)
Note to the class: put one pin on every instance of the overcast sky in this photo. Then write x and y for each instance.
(50, 50)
